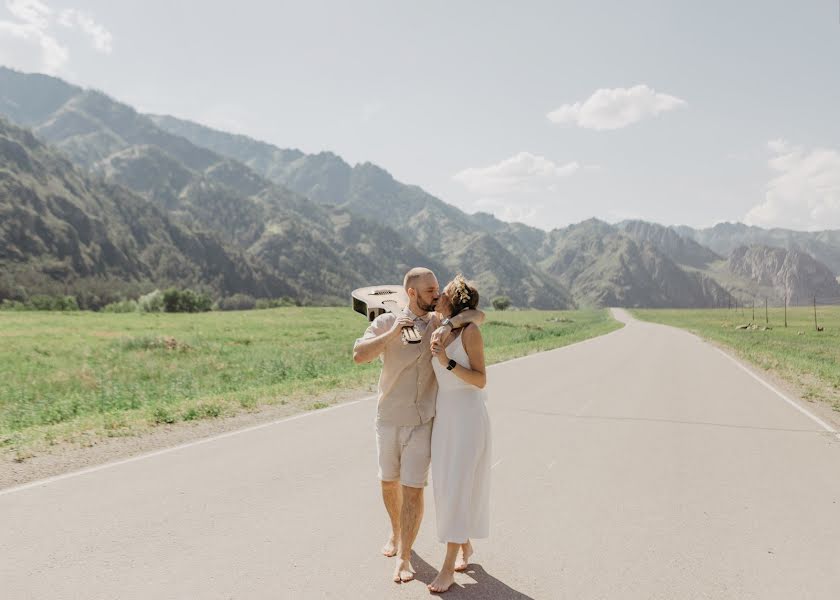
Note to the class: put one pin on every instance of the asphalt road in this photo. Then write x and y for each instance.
(641, 464)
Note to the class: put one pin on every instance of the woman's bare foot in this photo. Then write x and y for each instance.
(464, 557)
(442, 582)
(403, 571)
(390, 547)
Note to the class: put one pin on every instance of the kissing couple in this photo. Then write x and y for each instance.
(431, 411)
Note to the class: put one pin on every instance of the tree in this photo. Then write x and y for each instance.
(501, 302)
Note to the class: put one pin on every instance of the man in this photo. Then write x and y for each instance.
(406, 406)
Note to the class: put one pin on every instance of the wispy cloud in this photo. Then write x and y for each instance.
(25, 41)
(523, 172)
(615, 108)
(524, 188)
(804, 193)
(29, 42)
(100, 37)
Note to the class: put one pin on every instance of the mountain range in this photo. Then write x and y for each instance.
(97, 196)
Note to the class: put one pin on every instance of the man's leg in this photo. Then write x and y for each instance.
(392, 496)
(388, 452)
(411, 514)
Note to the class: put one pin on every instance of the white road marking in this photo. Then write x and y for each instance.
(770, 387)
(179, 447)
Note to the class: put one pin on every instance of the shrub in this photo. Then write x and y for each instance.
(501, 302)
(185, 301)
(122, 306)
(237, 302)
(274, 302)
(45, 302)
(151, 302)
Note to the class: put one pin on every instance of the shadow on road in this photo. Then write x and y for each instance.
(485, 587)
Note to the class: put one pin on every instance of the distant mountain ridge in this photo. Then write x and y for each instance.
(324, 226)
(723, 238)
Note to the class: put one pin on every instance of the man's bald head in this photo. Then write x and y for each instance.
(415, 276)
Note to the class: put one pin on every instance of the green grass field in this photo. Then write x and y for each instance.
(67, 377)
(799, 354)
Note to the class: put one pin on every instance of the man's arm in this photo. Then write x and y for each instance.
(462, 319)
(382, 331)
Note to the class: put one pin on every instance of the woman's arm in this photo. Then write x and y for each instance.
(474, 345)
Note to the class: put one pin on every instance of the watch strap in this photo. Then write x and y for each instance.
(452, 364)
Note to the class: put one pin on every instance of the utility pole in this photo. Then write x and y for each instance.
(753, 310)
(815, 315)
(766, 314)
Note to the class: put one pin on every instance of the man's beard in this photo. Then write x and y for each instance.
(427, 307)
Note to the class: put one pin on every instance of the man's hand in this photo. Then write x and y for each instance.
(401, 323)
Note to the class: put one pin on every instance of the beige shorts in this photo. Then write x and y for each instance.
(405, 453)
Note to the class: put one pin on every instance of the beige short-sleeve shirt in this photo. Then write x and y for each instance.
(407, 384)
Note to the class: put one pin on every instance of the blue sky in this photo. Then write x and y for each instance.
(545, 112)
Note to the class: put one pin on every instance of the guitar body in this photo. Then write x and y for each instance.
(376, 300)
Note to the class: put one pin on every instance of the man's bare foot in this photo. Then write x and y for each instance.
(403, 571)
(464, 557)
(442, 582)
(390, 547)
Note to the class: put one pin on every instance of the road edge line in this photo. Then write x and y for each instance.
(778, 392)
(168, 449)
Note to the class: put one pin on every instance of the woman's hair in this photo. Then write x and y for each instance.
(462, 295)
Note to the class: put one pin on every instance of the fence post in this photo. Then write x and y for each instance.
(785, 309)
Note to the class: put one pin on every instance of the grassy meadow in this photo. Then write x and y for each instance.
(799, 354)
(70, 377)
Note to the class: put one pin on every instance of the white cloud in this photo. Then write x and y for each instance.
(28, 42)
(31, 12)
(101, 37)
(523, 172)
(615, 108)
(804, 194)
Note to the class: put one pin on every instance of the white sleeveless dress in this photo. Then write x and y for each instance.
(461, 454)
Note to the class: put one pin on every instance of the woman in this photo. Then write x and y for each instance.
(460, 437)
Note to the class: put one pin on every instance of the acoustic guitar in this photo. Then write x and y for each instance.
(376, 300)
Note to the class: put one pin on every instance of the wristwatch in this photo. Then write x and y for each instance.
(447, 321)
(452, 364)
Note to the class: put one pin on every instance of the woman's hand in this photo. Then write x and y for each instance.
(439, 350)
